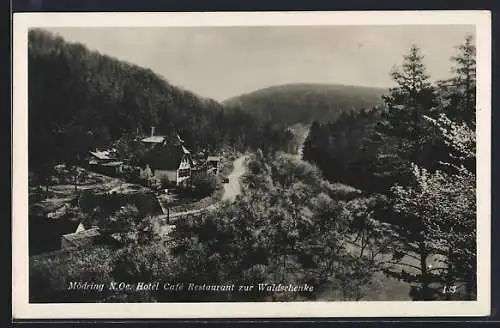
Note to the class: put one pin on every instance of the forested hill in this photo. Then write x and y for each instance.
(80, 99)
(305, 103)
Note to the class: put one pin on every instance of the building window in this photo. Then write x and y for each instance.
(183, 173)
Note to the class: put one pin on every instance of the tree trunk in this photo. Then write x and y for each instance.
(424, 292)
(284, 266)
(449, 274)
(470, 282)
(469, 286)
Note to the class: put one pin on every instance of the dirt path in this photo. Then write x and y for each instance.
(300, 152)
(233, 188)
(301, 132)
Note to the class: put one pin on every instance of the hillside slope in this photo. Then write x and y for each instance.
(81, 100)
(304, 103)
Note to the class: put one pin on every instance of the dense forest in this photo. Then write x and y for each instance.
(372, 148)
(274, 232)
(416, 153)
(81, 100)
(304, 103)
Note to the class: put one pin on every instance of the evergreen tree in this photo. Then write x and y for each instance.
(407, 102)
(443, 204)
(403, 125)
(459, 92)
(310, 152)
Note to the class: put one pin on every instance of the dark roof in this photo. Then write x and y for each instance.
(167, 157)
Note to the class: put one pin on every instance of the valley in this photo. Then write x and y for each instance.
(134, 178)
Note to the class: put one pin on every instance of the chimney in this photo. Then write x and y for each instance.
(152, 131)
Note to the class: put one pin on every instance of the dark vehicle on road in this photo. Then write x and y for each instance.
(225, 180)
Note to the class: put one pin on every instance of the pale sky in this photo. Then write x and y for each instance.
(222, 62)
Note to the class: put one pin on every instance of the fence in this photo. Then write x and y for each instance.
(172, 217)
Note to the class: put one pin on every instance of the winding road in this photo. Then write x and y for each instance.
(300, 152)
(301, 134)
(233, 188)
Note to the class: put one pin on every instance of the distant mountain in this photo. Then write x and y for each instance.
(304, 103)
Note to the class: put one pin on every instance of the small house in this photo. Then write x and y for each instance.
(172, 163)
(169, 159)
(105, 162)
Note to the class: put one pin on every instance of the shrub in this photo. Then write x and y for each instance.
(131, 173)
(50, 275)
(154, 183)
(146, 202)
(204, 185)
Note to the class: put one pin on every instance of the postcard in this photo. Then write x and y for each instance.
(251, 165)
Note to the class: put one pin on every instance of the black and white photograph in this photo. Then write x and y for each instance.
(257, 164)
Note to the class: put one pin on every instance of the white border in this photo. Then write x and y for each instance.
(22, 310)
